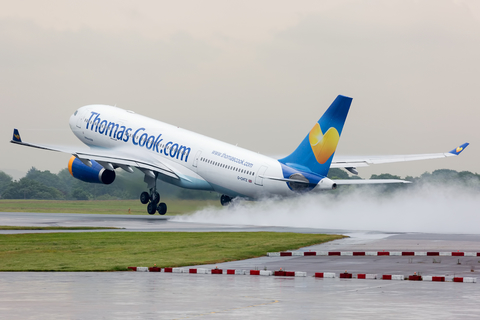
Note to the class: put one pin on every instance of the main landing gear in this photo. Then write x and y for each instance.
(153, 198)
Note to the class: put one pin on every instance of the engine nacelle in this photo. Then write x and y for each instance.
(326, 184)
(94, 174)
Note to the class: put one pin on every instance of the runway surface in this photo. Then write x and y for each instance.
(130, 295)
(137, 295)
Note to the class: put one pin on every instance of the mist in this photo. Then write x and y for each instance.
(421, 208)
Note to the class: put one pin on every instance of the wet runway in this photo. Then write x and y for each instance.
(138, 295)
(129, 223)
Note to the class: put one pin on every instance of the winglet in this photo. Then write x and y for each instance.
(459, 149)
(16, 136)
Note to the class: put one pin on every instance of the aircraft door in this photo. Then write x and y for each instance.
(258, 178)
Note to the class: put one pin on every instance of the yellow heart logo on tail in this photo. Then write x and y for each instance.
(459, 149)
(323, 145)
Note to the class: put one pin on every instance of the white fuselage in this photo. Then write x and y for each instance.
(201, 162)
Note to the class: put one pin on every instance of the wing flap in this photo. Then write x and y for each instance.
(119, 161)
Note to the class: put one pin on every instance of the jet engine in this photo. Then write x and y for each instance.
(94, 174)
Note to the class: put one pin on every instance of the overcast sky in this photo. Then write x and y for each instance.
(254, 73)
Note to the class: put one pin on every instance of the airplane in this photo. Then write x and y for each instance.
(121, 138)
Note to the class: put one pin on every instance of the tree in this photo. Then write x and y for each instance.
(335, 173)
(48, 179)
(5, 181)
(80, 194)
(384, 176)
(31, 189)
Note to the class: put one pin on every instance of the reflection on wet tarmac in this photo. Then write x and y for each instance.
(136, 295)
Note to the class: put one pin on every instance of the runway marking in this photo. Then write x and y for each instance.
(231, 309)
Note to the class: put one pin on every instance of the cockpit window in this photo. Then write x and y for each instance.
(75, 113)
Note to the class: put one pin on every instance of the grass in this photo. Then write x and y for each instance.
(175, 206)
(115, 251)
(53, 228)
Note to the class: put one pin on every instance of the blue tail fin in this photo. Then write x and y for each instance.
(317, 149)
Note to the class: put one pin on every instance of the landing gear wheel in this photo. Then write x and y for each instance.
(155, 197)
(225, 200)
(162, 208)
(151, 208)
(144, 197)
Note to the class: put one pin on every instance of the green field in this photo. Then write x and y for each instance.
(115, 251)
(175, 206)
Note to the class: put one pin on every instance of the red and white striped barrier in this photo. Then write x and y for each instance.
(434, 278)
(372, 253)
(283, 273)
(465, 279)
(366, 276)
(324, 275)
(393, 277)
(221, 271)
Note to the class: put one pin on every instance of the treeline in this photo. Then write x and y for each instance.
(62, 186)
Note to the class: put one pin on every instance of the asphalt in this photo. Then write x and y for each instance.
(137, 295)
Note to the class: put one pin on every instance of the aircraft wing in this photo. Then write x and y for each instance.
(365, 161)
(108, 158)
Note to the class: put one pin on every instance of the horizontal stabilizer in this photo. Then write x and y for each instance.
(370, 181)
(285, 179)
